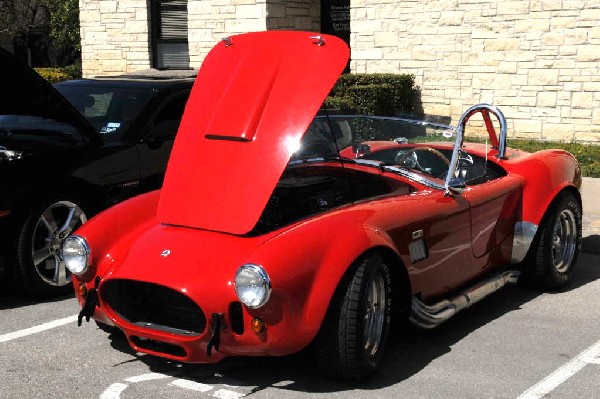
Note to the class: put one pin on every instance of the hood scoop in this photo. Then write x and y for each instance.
(242, 88)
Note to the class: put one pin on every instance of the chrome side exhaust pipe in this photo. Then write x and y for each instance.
(430, 316)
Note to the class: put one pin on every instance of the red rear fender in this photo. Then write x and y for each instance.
(546, 174)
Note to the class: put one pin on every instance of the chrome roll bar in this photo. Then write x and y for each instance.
(485, 110)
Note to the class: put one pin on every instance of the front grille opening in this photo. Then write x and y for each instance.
(154, 306)
(158, 346)
(237, 317)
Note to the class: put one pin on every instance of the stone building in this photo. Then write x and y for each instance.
(537, 59)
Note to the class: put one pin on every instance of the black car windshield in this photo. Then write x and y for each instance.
(36, 129)
(109, 109)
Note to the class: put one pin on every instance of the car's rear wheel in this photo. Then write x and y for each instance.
(353, 337)
(41, 271)
(558, 244)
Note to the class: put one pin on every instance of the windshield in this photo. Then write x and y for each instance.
(381, 142)
(110, 110)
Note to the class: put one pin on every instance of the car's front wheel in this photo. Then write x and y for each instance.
(353, 337)
(41, 271)
(557, 245)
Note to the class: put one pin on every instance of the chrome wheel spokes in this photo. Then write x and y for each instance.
(54, 225)
(374, 314)
(564, 240)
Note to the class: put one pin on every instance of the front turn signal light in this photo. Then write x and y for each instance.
(257, 325)
(82, 290)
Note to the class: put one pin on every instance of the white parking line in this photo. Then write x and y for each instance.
(227, 394)
(37, 329)
(146, 377)
(192, 385)
(589, 356)
(115, 390)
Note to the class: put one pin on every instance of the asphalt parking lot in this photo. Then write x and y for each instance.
(518, 343)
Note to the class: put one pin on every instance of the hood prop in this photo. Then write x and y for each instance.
(430, 316)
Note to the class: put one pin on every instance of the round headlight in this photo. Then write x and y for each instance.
(252, 285)
(76, 254)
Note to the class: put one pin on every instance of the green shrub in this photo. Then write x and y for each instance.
(52, 75)
(57, 74)
(343, 104)
(375, 94)
(73, 70)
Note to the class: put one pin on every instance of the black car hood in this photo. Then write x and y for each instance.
(36, 97)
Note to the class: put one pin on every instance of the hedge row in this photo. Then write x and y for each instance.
(365, 94)
(57, 74)
(374, 94)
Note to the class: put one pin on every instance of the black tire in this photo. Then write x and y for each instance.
(557, 245)
(353, 337)
(40, 272)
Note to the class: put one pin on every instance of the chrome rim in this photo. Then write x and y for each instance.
(52, 228)
(375, 314)
(564, 240)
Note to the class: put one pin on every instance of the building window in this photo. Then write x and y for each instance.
(169, 31)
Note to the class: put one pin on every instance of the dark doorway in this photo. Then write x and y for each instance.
(335, 18)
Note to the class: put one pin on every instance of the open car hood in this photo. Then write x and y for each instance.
(253, 99)
(34, 96)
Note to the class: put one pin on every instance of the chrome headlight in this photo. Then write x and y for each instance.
(76, 254)
(252, 285)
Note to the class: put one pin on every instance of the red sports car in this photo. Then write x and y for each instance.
(281, 225)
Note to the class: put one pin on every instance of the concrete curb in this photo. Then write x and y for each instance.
(590, 195)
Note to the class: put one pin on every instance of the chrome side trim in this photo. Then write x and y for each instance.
(524, 234)
(430, 316)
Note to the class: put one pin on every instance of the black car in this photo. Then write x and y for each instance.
(70, 150)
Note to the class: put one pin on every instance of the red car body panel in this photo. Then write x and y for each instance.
(544, 174)
(191, 237)
(304, 268)
(241, 106)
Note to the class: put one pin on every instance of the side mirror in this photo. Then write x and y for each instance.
(456, 185)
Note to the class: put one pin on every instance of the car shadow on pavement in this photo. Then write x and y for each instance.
(11, 298)
(406, 355)
(591, 244)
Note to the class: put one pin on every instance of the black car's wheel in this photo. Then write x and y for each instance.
(41, 270)
(558, 244)
(352, 340)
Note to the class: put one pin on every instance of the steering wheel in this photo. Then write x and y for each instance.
(402, 158)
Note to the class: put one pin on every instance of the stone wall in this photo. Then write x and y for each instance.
(538, 60)
(115, 33)
(211, 20)
(114, 36)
